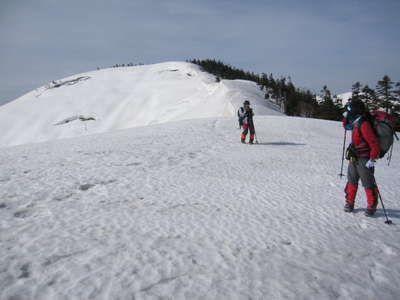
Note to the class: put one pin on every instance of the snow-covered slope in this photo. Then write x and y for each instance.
(126, 97)
(184, 211)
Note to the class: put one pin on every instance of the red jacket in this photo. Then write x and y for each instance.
(364, 139)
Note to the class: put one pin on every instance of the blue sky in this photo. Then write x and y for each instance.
(315, 42)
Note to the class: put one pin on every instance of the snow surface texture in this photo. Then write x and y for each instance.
(184, 211)
(120, 98)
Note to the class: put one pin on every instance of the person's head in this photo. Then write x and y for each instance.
(355, 108)
(246, 104)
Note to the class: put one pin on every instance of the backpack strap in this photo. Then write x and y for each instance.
(364, 144)
(358, 122)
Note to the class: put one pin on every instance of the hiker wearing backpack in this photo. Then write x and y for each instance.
(362, 154)
(245, 115)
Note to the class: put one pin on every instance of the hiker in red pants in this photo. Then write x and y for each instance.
(245, 115)
(361, 153)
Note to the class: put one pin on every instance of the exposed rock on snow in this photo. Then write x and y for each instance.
(73, 118)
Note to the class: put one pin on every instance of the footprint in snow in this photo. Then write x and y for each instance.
(25, 271)
(86, 186)
(192, 155)
(62, 197)
(23, 213)
(386, 249)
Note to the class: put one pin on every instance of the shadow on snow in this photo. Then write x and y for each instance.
(392, 213)
(280, 144)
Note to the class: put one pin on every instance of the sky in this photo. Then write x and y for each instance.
(316, 43)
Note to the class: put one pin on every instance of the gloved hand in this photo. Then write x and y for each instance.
(370, 163)
(349, 127)
(346, 124)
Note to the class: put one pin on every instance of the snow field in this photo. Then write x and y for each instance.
(184, 211)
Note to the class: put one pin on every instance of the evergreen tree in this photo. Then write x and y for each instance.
(397, 91)
(355, 89)
(397, 98)
(328, 109)
(370, 98)
(326, 94)
(384, 90)
(281, 90)
(337, 101)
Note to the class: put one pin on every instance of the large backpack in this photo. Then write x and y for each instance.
(384, 124)
(241, 110)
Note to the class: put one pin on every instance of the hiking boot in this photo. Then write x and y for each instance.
(370, 212)
(251, 142)
(243, 141)
(348, 207)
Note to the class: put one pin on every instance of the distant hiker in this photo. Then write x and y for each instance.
(361, 153)
(245, 115)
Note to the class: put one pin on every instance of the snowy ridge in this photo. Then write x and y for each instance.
(184, 211)
(120, 98)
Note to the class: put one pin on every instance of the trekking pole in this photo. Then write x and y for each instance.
(344, 146)
(389, 158)
(255, 133)
(383, 206)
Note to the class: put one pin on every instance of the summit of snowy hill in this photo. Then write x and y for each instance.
(124, 97)
(183, 210)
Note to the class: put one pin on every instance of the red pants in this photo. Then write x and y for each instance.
(246, 128)
(351, 192)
